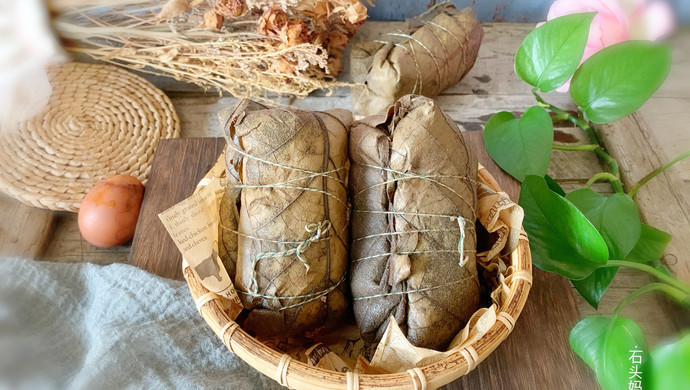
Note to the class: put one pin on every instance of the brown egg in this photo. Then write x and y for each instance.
(109, 212)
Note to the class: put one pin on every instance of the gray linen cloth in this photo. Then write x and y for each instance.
(85, 326)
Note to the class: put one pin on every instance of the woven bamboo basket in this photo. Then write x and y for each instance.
(295, 374)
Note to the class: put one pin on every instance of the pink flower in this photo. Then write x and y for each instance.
(617, 21)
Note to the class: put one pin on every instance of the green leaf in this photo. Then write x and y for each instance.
(617, 80)
(615, 217)
(593, 287)
(520, 146)
(669, 366)
(553, 186)
(618, 221)
(650, 246)
(561, 238)
(606, 345)
(551, 53)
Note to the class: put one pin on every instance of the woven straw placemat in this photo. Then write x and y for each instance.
(100, 121)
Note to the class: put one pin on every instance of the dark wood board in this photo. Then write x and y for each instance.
(535, 356)
(178, 165)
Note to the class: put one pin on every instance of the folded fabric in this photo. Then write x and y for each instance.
(84, 326)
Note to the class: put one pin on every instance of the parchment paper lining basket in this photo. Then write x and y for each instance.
(100, 121)
(295, 374)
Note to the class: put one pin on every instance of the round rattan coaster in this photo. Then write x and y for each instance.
(100, 121)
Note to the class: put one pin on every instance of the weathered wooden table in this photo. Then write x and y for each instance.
(640, 142)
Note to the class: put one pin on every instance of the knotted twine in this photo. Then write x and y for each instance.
(419, 81)
(461, 221)
(318, 231)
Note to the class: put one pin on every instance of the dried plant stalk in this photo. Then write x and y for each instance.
(179, 39)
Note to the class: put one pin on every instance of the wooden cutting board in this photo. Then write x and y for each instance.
(535, 356)
(178, 166)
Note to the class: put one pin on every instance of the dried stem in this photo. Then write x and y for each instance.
(235, 59)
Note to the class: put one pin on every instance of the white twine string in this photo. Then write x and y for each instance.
(419, 80)
(308, 297)
(316, 230)
(461, 221)
(419, 290)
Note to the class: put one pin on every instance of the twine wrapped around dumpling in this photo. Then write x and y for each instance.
(413, 191)
(437, 55)
(287, 241)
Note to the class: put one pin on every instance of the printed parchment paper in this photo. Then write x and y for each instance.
(437, 50)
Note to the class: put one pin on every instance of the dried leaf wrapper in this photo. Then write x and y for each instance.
(287, 170)
(413, 193)
(437, 55)
(501, 220)
(342, 348)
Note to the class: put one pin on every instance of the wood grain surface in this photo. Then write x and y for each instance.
(662, 201)
(178, 165)
(490, 87)
(25, 231)
(535, 356)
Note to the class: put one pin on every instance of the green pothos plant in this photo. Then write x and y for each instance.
(586, 236)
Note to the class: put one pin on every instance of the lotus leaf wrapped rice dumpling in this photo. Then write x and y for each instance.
(440, 49)
(284, 216)
(413, 192)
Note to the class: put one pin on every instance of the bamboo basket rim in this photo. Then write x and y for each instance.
(295, 374)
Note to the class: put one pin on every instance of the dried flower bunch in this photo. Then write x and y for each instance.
(244, 47)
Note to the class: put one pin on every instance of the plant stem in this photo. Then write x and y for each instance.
(613, 166)
(654, 272)
(672, 291)
(594, 139)
(601, 175)
(575, 148)
(560, 112)
(560, 117)
(654, 173)
(586, 127)
(577, 121)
